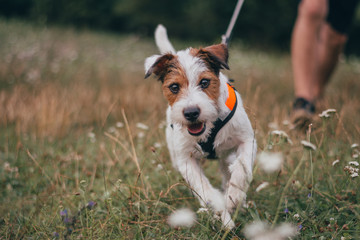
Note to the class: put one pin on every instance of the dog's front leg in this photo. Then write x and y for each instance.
(240, 168)
(202, 188)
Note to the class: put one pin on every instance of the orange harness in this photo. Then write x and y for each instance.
(231, 103)
(231, 100)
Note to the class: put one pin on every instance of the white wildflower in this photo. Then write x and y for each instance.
(273, 125)
(119, 125)
(297, 216)
(355, 145)
(141, 135)
(201, 210)
(92, 136)
(286, 122)
(253, 230)
(326, 113)
(285, 230)
(7, 167)
(262, 231)
(142, 126)
(270, 162)
(335, 162)
(182, 218)
(355, 154)
(106, 194)
(354, 163)
(112, 130)
(159, 167)
(355, 174)
(262, 186)
(162, 124)
(157, 145)
(282, 134)
(308, 145)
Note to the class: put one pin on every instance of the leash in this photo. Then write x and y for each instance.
(208, 146)
(226, 37)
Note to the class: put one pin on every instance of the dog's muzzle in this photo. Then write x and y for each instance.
(195, 127)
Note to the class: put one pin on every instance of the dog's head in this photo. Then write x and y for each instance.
(191, 84)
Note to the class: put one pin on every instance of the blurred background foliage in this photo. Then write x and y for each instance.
(261, 23)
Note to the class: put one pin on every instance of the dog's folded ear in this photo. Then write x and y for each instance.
(158, 65)
(216, 56)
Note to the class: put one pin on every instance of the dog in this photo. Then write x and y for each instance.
(205, 119)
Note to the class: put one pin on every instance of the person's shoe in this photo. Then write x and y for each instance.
(303, 113)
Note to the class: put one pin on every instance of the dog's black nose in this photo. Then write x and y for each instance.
(191, 113)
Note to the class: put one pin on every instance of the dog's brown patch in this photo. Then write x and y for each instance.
(175, 75)
(161, 66)
(207, 55)
(215, 56)
(213, 90)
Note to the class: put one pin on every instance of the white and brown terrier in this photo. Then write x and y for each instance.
(205, 119)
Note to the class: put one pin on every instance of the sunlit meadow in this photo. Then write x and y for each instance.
(83, 152)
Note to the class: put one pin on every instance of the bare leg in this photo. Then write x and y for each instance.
(304, 47)
(330, 47)
(315, 48)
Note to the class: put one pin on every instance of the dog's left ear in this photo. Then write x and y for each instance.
(158, 65)
(216, 55)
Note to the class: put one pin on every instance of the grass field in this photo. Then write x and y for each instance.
(76, 115)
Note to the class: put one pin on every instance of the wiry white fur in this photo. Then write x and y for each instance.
(235, 143)
(193, 95)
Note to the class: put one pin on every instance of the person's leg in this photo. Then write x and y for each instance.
(305, 47)
(330, 47)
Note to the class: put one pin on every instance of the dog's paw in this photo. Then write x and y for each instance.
(226, 220)
(233, 197)
(218, 205)
(216, 201)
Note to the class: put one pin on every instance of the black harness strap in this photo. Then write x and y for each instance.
(208, 146)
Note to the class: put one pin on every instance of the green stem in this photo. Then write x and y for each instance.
(285, 188)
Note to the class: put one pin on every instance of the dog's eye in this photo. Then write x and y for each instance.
(204, 83)
(174, 88)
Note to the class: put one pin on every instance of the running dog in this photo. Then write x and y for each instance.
(205, 119)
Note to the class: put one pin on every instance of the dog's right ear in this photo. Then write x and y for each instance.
(158, 65)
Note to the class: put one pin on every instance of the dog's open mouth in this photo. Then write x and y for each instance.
(196, 129)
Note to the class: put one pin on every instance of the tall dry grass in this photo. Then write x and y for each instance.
(52, 110)
(53, 80)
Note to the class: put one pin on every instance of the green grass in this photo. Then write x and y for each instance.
(69, 105)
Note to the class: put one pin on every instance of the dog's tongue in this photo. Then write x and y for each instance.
(196, 128)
